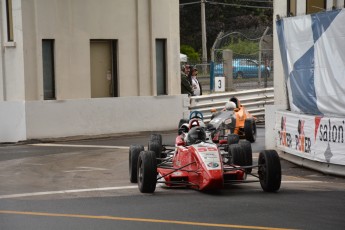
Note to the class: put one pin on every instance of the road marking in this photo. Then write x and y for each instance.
(302, 181)
(115, 218)
(108, 189)
(80, 146)
(66, 191)
(85, 169)
(35, 164)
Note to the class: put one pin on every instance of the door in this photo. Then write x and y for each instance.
(103, 68)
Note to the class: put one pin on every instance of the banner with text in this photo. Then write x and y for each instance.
(317, 138)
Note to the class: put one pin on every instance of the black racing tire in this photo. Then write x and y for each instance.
(236, 154)
(248, 154)
(233, 138)
(155, 147)
(156, 137)
(134, 151)
(147, 172)
(250, 129)
(269, 171)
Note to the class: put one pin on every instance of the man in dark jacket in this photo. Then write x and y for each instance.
(186, 86)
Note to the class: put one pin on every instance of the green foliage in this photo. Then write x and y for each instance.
(243, 47)
(192, 55)
(250, 21)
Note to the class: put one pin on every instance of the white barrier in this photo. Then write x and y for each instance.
(311, 141)
(254, 100)
(21, 121)
(312, 137)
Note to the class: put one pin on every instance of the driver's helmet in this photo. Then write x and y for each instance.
(196, 135)
(230, 105)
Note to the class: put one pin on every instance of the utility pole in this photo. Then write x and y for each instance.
(203, 32)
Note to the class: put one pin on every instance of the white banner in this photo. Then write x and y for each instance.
(313, 137)
(313, 56)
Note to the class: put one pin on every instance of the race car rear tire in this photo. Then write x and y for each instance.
(269, 170)
(250, 129)
(237, 155)
(147, 171)
(233, 139)
(134, 151)
(248, 154)
(156, 147)
(156, 137)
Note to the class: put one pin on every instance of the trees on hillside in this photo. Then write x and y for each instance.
(242, 16)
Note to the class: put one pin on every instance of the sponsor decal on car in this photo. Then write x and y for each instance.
(210, 156)
(212, 165)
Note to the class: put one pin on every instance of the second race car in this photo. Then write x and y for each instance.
(234, 118)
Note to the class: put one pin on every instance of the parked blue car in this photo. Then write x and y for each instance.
(243, 68)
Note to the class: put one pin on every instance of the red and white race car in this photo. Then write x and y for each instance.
(199, 164)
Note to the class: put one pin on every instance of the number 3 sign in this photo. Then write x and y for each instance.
(219, 84)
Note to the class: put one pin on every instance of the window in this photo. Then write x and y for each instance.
(48, 69)
(9, 20)
(314, 6)
(291, 8)
(161, 66)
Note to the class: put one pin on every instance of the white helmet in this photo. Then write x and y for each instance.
(230, 105)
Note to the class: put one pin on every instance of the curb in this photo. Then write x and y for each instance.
(326, 168)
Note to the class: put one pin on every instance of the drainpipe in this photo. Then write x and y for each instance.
(2, 57)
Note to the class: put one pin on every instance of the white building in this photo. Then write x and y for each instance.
(77, 67)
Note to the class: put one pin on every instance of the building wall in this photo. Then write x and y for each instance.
(134, 24)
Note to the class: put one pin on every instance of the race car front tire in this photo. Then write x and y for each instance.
(134, 151)
(147, 172)
(269, 170)
(250, 129)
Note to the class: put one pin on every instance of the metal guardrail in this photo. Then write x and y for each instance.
(254, 101)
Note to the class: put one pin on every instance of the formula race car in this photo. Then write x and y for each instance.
(234, 118)
(199, 164)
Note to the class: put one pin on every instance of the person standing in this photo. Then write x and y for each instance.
(186, 86)
(197, 89)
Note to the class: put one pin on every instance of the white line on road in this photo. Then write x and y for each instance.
(81, 146)
(108, 189)
(85, 169)
(302, 182)
(66, 191)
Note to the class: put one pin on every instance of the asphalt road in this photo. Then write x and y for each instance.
(84, 184)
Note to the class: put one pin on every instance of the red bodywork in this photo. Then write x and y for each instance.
(199, 166)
